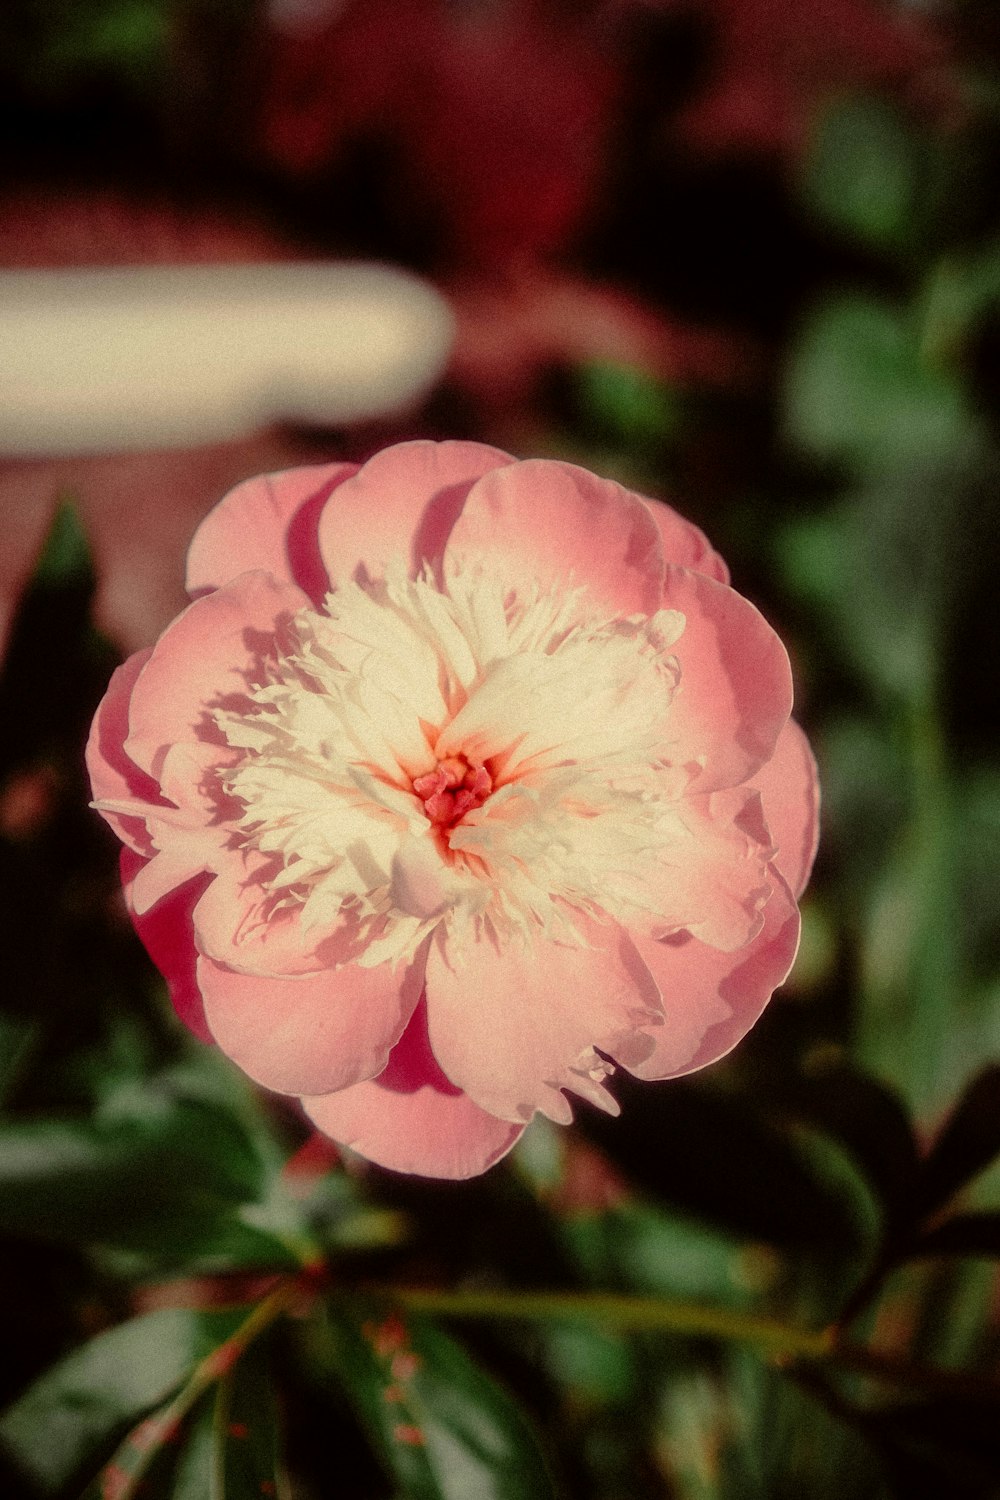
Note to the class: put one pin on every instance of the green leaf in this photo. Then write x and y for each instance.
(868, 1120)
(132, 37)
(225, 1447)
(968, 1142)
(183, 1449)
(65, 556)
(18, 1037)
(729, 1164)
(187, 1464)
(443, 1428)
(977, 836)
(696, 1427)
(781, 1441)
(168, 1456)
(339, 1216)
(862, 171)
(161, 1172)
(865, 794)
(861, 390)
(126, 39)
(594, 1366)
(77, 1407)
(886, 540)
(54, 667)
(627, 404)
(637, 1247)
(961, 291)
(247, 1434)
(975, 1234)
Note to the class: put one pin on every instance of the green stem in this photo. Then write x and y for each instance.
(782, 1342)
(288, 1291)
(208, 1372)
(639, 1314)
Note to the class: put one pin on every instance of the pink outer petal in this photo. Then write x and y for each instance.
(735, 692)
(401, 503)
(685, 545)
(789, 790)
(267, 523)
(113, 776)
(237, 925)
(188, 779)
(551, 521)
(513, 1026)
(313, 1034)
(711, 999)
(167, 935)
(174, 847)
(184, 855)
(412, 1119)
(211, 652)
(718, 875)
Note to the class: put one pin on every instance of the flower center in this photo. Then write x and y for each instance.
(544, 727)
(454, 788)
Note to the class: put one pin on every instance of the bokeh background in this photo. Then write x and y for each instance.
(741, 255)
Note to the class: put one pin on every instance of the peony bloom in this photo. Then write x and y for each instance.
(462, 782)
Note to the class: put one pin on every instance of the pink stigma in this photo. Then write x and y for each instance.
(452, 789)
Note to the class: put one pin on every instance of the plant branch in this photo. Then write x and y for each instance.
(783, 1342)
(637, 1314)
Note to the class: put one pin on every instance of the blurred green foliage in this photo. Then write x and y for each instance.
(65, 44)
(861, 175)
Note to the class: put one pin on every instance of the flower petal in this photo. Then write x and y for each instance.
(685, 545)
(114, 777)
(175, 843)
(711, 998)
(789, 788)
(211, 651)
(551, 521)
(166, 932)
(735, 692)
(240, 924)
(512, 1026)
(314, 1033)
(181, 857)
(174, 846)
(716, 874)
(401, 503)
(411, 1119)
(266, 523)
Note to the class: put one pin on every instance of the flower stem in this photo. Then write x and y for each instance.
(221, 1360)
(782, 1342)
(125, 1473)
(638, 1314)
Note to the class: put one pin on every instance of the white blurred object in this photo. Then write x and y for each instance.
(94, 361)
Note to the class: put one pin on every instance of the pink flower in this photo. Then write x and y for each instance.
(461, 782)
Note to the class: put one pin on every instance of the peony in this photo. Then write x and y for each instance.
(461, 783)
